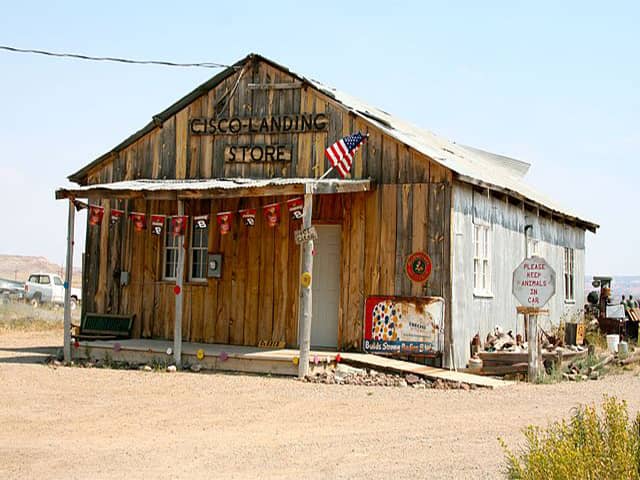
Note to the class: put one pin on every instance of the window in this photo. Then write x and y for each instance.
(481, 264)
(568, 275)
(199, 249)
(44, 280)
(57, 281)
(170, 257)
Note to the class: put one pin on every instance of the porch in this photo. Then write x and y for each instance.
(274, 361)
(258, 296)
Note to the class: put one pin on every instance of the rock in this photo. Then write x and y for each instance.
(196, 367)
(595, 375)
(465, 387)
(411, 379)
(402, 382)
(147, 368)
(421, 386)
(57, 363)
(172, 368)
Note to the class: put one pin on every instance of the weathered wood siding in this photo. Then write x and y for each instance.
(474, 314)
(257, 298)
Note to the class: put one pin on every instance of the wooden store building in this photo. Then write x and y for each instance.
(233, 156)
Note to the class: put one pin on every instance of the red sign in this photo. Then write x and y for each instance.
(419, 266)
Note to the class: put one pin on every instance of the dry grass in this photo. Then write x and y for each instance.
(24, 318)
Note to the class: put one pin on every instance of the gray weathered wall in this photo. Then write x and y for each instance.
(471, 314)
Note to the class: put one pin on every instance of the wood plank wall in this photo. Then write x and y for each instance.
(257, 298)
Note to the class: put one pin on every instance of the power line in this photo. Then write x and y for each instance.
(114, 59)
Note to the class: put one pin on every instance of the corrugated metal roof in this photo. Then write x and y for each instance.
(470, 164)
(214, 185)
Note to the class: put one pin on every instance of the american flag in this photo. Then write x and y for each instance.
(341, 153)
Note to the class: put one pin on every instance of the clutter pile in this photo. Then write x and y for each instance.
(618, 354)
(346, 375)
(503, 353)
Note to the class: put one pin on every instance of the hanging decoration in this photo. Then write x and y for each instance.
(79, 204)
(248, 217)
(139, 221)
(272, 214)
(201, 221)
(178, 225)
(115, 216)
(157, 224)
(224, 222)
(96, 213)
(296, 208)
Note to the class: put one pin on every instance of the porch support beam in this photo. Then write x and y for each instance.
(177, 330)
(68, 277)
(306, 291)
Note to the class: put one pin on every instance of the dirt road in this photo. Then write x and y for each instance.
(98, 423)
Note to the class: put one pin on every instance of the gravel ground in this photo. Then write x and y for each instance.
(99, 423)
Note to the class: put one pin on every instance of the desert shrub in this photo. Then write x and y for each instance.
(588, 446)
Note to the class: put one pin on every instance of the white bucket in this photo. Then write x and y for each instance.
(612, 342)
(623, 349)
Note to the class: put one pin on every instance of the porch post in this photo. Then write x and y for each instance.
(305, 292)
(68, 274)
(177, 330)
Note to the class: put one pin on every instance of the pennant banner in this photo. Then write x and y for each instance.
(95, 215)
(296, 208)
(79, 204)
(115, 215)
(201, 221)
(224, 222)
(248, 217)
(272, 214)
(178, 225)
(157, 224)
(139, 221)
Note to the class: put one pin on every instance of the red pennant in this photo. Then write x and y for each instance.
(95, 215)
(272, 214)
(178, 225)
(139, 221)
(248, 217)
(157, 224)
(201, 221)
(224, 222)
(115, 215)
(296, 208)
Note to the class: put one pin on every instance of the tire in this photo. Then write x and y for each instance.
(35, 301)
(73, 303)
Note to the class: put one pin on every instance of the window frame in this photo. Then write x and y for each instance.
(202, 249)
(482, 249)
(569, 275)
(168, 235)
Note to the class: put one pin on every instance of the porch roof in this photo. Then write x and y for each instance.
(214, 188)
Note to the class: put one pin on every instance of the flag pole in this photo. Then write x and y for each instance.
(325, 173)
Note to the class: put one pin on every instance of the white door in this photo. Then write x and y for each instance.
(326, 287)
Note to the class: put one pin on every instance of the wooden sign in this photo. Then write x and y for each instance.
(292, 123)
(257, 153)
(305, 234)
(534, 282)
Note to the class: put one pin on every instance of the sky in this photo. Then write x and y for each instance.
(556, 84)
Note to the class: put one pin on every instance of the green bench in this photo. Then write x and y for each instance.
(105, 326)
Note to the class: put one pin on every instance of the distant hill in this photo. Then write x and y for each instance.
(18, 267)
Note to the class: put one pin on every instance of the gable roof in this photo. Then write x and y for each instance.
(469, 164)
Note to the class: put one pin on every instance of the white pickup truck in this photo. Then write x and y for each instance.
(49, 288)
